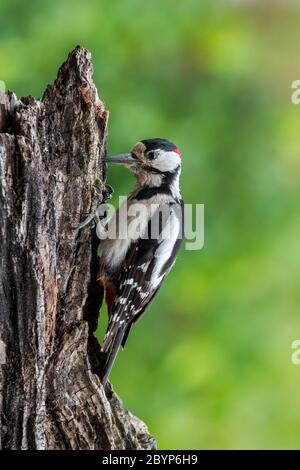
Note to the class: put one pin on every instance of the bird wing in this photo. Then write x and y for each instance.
(147, 263)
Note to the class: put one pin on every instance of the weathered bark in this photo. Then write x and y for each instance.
(51, 159)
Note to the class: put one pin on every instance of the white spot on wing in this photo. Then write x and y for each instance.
(143, 295)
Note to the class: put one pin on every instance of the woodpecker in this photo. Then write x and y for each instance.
(134, 264)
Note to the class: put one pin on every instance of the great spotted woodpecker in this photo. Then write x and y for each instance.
(134, 263)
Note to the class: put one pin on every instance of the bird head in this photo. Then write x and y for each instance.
(159, 156)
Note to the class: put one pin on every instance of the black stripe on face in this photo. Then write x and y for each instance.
(147, 192)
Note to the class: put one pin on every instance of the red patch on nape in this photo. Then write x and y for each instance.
(176, 150)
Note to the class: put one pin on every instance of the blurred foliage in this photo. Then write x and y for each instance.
(209, 366)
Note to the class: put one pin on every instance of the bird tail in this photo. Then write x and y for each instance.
(110, 348)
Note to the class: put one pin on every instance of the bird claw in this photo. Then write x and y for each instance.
(108, 192)
(102, 195)
(90, 218)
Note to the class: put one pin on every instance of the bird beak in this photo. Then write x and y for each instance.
(122, 158)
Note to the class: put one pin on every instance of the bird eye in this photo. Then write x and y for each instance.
(151, 155)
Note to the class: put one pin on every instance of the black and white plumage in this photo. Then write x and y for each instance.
(134, 264)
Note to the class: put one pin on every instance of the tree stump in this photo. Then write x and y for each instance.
(51, 161)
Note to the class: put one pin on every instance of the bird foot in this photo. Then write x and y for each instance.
(97, 204)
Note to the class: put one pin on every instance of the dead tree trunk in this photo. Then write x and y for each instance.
(51, 159)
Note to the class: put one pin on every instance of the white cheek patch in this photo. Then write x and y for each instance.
(167, 161)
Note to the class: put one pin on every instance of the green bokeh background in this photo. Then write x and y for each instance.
(210, 364)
